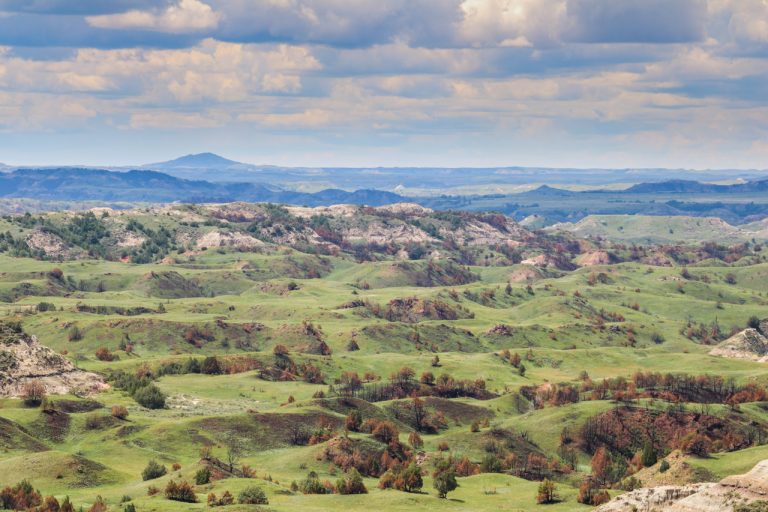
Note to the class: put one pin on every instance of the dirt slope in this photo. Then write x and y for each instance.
(23, 359)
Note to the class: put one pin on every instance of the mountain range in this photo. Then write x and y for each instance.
(156, 187)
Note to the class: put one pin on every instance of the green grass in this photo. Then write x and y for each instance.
(550, 324)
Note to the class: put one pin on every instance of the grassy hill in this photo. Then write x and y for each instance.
(251, 347)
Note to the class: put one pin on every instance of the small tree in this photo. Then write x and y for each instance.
(445, 482)
(414, 439)
(411, 478)
(547, 493)
(664, 466)
(385, 432)
(649, 454)
(235, 449)
(33, 393)
(153, 470)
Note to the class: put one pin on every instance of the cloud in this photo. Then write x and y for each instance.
(636, 21)
(186, 16)
(81, 7)
(463, 79)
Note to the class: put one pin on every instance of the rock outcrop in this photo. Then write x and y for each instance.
(749, 344)
(723, 496)
(24, 359)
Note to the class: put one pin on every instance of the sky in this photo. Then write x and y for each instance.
(558, 83)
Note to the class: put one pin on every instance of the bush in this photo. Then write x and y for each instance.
(657, 338)
(406, 479)
(352, 483)
(203, 476)
(153, 470)
(42, 307)
(119, 412)
(312, 485)
(664, 466)
(75, 334)
(226, 499)
(211, 366)
(252, 496)
(547, 493)
(103, 354)
(181, 491)
(149, 396)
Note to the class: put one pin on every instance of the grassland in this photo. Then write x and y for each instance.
(234, 303)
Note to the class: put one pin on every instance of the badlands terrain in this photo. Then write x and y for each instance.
(267, 357)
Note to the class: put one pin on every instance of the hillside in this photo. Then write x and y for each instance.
(23, 359)
(660, 229)
(310, 343)
(723, 496)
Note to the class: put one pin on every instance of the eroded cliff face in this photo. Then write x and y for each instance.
(24, 359)
(722, 496)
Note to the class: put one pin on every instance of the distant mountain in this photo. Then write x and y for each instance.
(151, 186)
(546, 190)
(197, 161)
(460, 181)
(695, 187)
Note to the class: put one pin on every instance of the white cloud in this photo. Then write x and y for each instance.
(186, 16)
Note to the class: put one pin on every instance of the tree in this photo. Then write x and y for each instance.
(353, 421)
(153, 470)
(445, 482)
(33, 393)
(414, 439)
(235, 449)
(601, 462)
(385, 432)
(252, 496)
(753, 322)
(411, 478)
(590, 494)
(419, 413)
(547, 493)
(649, 454)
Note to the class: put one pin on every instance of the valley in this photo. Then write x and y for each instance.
(281, 347)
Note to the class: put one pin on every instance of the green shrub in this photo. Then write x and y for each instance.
(149, 396)
(153, 470)
(352, 483)
(252, 496)
(203, 476)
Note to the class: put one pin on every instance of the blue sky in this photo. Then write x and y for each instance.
(569, 83)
